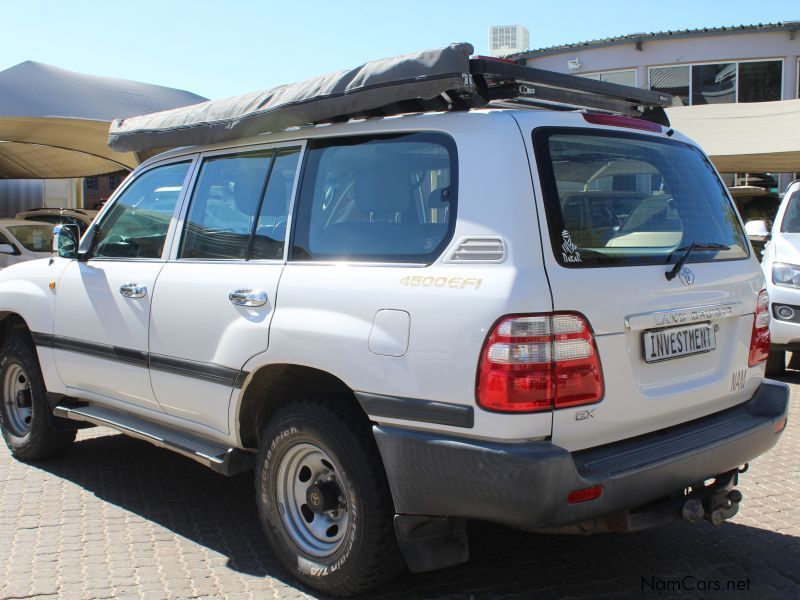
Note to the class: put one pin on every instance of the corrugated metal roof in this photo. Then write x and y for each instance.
(661, 35)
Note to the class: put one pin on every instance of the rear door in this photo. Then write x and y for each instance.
(215, 298)
(621, 209)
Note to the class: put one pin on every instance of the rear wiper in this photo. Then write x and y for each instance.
(672, 273)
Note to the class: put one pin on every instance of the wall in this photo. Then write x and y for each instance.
(711, 48)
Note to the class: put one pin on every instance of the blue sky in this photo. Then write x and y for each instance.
(227, 47)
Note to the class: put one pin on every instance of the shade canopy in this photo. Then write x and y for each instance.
(54, 123)
(757, 137)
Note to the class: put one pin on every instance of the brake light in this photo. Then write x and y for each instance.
(539, 362)
(620, 121)
(759, 340)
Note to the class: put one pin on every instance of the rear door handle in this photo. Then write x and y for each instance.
(133, 290)
(248, 297)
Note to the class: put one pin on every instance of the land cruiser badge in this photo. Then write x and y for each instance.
(569, 251)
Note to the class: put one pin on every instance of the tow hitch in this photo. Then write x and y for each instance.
(716, 503)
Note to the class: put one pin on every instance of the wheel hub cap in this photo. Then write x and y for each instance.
(312, 499)
(17, 400)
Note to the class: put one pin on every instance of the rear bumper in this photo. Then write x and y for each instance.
(527, 484)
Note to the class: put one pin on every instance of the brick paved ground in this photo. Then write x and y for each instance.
(118, 518)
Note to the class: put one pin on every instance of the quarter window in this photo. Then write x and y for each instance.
(136, 226)
(387, 199)
(240, 206)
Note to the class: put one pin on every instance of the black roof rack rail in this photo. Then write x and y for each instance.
(504, 83)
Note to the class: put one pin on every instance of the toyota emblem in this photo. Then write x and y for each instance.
(686, 276)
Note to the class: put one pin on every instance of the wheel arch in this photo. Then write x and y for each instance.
(271, 386)
(10, 323)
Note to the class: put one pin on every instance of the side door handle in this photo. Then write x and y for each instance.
(133, 290)
(248, 297)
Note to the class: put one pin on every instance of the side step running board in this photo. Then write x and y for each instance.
(220, 458)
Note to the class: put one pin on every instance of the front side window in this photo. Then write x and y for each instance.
(136, 226)
(378, 199)
(625, 199)
(240, 207)
(791, 218)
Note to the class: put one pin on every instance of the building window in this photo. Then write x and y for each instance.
(92, 183)
(113, 182)
(757, 81)
(671, 80)
(760, 81)
(623, 77)
(714, 84)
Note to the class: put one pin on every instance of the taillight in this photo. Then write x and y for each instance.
(539, 362)
(759, 340)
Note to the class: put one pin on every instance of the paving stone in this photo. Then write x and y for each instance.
(118, 518)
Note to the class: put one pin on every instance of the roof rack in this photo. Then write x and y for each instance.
(443, 79)
(503, 83)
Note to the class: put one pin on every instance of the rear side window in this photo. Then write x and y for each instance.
(627, 199)
(240, 206)
(791, 218)
(378, 199)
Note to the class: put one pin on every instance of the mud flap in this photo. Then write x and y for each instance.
(430, 543)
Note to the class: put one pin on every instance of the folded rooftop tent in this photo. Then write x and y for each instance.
(440, 79)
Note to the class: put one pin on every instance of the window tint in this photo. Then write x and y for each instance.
(381, 199)
(36, 238)
(136, 226)
(235, 212)
(625, 199)
(791, 218)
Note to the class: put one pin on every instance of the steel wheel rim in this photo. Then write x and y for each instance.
(305, 465)
(17, 399)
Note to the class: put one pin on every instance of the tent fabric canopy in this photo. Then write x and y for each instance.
(54, 123)
(422, 75)
(756, 137)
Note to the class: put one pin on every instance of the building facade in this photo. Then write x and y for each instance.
(747, 63)
(508, 39)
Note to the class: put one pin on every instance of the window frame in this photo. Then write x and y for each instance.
(634, 70)
(540, 137)
(89, 234)
(737, 62)
(175, 242)
(435, 254)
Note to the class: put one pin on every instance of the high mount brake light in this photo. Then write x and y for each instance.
(621, 121)
(539, 362)
(759, 340)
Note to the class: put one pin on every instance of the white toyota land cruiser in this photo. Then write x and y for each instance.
(550, 319)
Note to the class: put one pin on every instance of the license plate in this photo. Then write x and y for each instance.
(675, 342)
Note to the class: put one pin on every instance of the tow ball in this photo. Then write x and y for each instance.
(716, 503)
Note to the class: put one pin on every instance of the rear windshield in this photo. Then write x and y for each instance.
(626, 199)
(36, 238)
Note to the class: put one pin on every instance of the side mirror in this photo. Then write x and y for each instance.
(65, 240)
(757, 230)
(8, 249)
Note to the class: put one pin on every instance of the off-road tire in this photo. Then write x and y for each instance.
(776, 363)
(42, 440)
(369, 554)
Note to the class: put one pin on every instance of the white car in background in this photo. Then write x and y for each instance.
(24, 240)
(781, 266)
